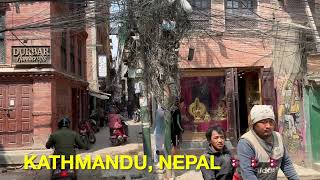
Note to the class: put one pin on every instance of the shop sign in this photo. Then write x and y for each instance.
(24, 55)
(102, 61)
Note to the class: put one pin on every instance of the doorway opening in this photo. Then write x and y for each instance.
(249, 95)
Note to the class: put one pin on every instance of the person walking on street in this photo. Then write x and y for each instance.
(261, 151)
(176, 128)
(222, 156)
(159, 133)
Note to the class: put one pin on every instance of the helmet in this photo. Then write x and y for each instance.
(64, 122)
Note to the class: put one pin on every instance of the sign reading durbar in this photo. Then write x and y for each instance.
(31, 55)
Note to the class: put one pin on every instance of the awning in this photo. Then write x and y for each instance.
(100, 95)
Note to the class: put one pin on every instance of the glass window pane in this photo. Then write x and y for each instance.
(198, 3)
(206, 4)
(229, 4)
(203, 102)
(249, 4)
(235, 4)
(229, 12)
(2, 52)
(2, 45)
(1, 22)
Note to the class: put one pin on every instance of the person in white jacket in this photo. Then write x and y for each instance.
(158, 133)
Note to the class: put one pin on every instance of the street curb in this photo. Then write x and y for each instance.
(17, 157)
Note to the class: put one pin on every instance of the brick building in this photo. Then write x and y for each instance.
(241, 54)
(98, 53)
(42, 71)
(225, 66)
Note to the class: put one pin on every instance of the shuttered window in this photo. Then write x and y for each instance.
(80, 47)
(240, 14)
(200, 17)
(72, 63)
(64, 51)
(2, 44)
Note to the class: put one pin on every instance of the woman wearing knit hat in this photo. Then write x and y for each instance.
(261, 151)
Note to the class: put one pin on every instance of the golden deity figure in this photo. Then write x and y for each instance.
(207, 117)
(197, 109)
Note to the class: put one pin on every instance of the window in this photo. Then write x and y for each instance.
(79, 58)
(201, 14)
(203, 94)
(72, 64)
(240, 14)
(2, 44)
(201, 4)
(63, 51)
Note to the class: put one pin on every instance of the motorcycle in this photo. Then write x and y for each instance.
(87, 132)
(63, 174)
(94, 125)
(119, 136)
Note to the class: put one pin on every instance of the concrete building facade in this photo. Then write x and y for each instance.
(98, 53)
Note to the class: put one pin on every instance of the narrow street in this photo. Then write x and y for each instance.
(101, 147)
(134, 146)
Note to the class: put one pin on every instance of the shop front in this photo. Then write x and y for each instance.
(222, 97)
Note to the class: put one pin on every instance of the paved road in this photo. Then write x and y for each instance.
(103, 147)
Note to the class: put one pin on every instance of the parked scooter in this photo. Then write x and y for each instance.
(119, 135)
(87, 132)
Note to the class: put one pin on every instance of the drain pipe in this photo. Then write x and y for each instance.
(313, 26)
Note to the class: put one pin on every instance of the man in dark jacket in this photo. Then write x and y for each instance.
(64, 141)
(176, 128)
(222, 156)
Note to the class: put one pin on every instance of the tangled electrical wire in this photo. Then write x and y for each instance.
(156, 46)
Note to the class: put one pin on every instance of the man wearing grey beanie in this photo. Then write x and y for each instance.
(261, 151)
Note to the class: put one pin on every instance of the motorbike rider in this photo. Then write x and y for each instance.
(115, 121)
(64, 140)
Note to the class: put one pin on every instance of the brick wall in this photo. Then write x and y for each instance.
(35, 12)
(222, 52)
(51, 94)
(99, 43)
(63, 101)
(89, 54)
(29, 14)
(218, 15)
(42, 110)
(79, 40)
(232, 48)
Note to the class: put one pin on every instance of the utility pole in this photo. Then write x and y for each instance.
(143, 101)
(152, 59)
(142, 78)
